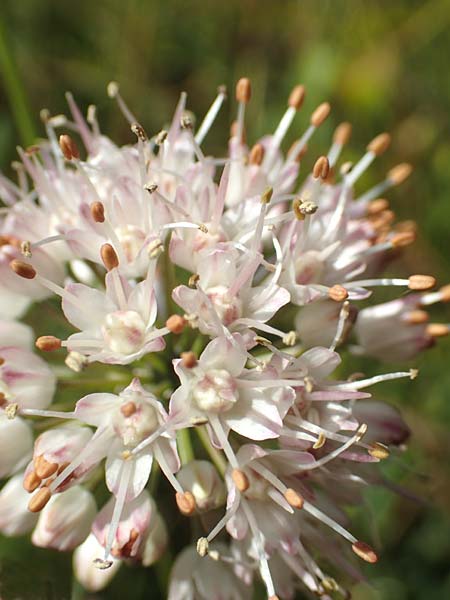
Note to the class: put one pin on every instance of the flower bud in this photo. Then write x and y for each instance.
(16, 443)
(15, 334)
(66, 520)
(15, 518)
(202, 480)
(156, 543)
(91, 577)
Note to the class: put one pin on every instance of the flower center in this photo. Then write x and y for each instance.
(131, 239)
(216, 392)
(124, 331)
(228, 309)
(137, 422)
(308, 268)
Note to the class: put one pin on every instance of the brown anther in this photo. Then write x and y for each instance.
(320, 114)
(23, 269)
(421, 283)
(39, 500)
(402, 239)
(256, 155)
(398, 174)
(98, 212)
(127, 548)
(25, 249)
(296, 97)
(378, 450)
(109, 257)
(342, 133)
(436, 330)
(128, 409)
(161, 137)
(2, 361)
(44, 468)
(444, 293)
(337, 293)
(188, 359)
(320, 442)
(408, 225)
(176, 323)
(139, 132)
(321, 168)
(31, 482)
(48, 343)
(417, 317)
(185, 502)
(266, 196)
(240, 480)
(377, 206)
(379, 144)
(3, 400)
(243, 90)
(30, 150)
(193, 280)
(68, 147)
(294, 498)
(365, 552)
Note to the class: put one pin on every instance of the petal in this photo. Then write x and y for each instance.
(222, 353)
(97, 409)
(90, 308)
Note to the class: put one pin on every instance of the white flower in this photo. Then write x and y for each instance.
(90, 576)
(15, 518)
(16, 443)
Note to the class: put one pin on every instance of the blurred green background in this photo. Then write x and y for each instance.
(384, 66)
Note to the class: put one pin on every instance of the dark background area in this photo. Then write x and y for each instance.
(383, 65)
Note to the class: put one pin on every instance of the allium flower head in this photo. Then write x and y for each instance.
(205, 304)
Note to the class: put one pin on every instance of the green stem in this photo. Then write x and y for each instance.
(185, 446)
(15, 91)
(214, 454)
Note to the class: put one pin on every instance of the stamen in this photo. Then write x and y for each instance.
(109, 257)
(68, 147)
(364, 551)
(125, 473)
(113, 92)
(176, 324)
(240, 480)
(340, 139)
(321, 168)
(378, 450)
(186, 503)
(39, 500)
(31, 482)
(48, 343)
(211, 115)
(436, 330)
(23, 269)
(243, 95)
(337, 293)
(188, 360)
(343, 316)
(98, 212)
(294, 498)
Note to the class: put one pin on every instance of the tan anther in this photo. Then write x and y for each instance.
(188, 360)
(436, 330)
(68, 147)
(39, 500)
(161, 137)
(109, 257)
(361, 432)
(155, 248)
(383, 218)
(294, 498)
(214, 555)
(342, 133)
(296, 97)
(413, 373)
(240, 480)
(378, 450)
(417, 317)
(112, 89)
(289, 338)
(76, 361)
(379, 144)
(11, 410)
(421, 283)
(102, 564)
(139, 132)
(98, 212)
(377, 206)
(330, 584)
(202, 227)
(444, 293)
(193, 280)
(338, 293)
(25, 249)
(402, 239)
(23, 269)
(185, 502)
(187, 121)
(48, 343)
(202, 546)
(44, 468)
(266, 196)
(256, 155)
(128, 409)
(176, 323)
(320, 114)
(320, 441)
(259, 339)
(398, 174)
(31, 482)
(321, 168)
(302, 208)
(126, 454)
(243, 90)
(365, 552)
(309, 384)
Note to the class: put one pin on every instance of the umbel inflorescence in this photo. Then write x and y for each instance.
(212, 294)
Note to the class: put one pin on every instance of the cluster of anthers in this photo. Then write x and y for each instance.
(226, 293)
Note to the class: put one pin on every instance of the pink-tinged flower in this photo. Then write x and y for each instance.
(16, 443)
(157, 540)
(196, 578)
(316, 323)
(201, 478)
(87, 573)
(117, 325)
(15, 518)
(25, 379)
(220, 390)
(225, 295)
(66, 520)
(13, 333)
(385, 424)
(127, 538)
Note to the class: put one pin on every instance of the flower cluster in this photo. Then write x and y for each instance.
(202, 303)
